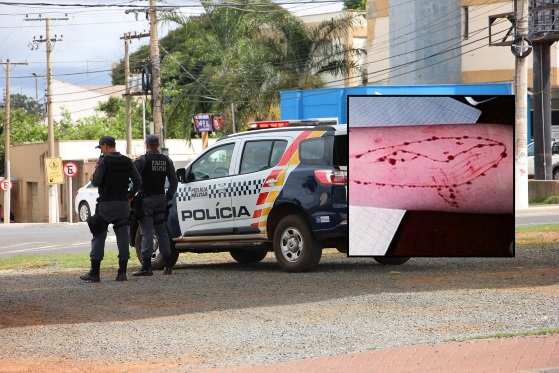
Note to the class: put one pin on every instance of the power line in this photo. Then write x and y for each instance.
(159, 7)
(397, 75)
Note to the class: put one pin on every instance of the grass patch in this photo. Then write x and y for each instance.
(81, 260)
(538, 228)
(545, 331)
(550, 200)
(55, 261)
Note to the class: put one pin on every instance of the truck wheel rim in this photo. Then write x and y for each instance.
(83, 213)
(291, 244)
(155, 248)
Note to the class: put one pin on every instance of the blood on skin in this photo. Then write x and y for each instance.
(408, 150)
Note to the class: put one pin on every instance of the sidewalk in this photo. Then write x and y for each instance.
(517, 354)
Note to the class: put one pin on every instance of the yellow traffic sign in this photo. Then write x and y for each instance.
(55, 174)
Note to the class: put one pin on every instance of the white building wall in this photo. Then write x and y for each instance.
(179, 150)
(79, 101)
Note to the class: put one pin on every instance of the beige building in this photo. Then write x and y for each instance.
(399, 48)
(357, 38)
(30, 191)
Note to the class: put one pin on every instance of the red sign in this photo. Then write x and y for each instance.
(218, 122)
(5, 184)
(70, 169)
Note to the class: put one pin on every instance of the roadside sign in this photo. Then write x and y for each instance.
(5, 185)
(70, 169)
(53, 166)
(203, 122)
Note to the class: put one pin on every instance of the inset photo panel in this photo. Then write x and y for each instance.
(431, 176)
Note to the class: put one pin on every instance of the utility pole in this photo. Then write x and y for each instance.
(7, 114)
(53, 188)
(521, 108)
(521, 47)
(233, 117)
(155, 73)
(542, 111)
(543, 33)
(127, 37)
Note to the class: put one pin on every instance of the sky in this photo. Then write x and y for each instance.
(91, 39)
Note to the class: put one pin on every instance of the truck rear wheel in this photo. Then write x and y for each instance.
(157, 261)
(295, 247)
(248, 256)
(391, 260)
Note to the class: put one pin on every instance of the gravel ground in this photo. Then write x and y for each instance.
(217, 314)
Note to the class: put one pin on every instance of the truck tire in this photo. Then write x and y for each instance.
(84, 212)
(391, 260)
(295, 247)
(248, 256)
(157, 261)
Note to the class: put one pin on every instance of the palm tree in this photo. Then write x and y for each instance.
(245, 54)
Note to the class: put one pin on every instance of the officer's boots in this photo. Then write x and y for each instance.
(121, 274)
(93, 274)
(146, 268)
(168, 270)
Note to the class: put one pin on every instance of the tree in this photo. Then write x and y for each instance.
(355, 4)
(245, 55)
(27, 126)
(112, 106)
(27, 103)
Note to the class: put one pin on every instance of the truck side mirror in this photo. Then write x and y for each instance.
(181, 175)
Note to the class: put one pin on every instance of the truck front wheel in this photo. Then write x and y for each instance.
(157, 261)
(295, 247)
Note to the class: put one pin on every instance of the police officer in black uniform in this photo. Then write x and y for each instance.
(112, 177)
(154, 168)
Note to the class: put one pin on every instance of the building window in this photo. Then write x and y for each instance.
(466, 22)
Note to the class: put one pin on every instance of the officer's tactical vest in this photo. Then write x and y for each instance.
(115, 183)
(154, 173)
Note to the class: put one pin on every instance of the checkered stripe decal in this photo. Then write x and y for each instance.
(244, 188)
(233, 189)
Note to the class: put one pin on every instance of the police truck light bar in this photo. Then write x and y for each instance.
(291, 123)
(268, 124)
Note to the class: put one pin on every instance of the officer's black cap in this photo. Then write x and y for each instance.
(152, 140)
(106, 140)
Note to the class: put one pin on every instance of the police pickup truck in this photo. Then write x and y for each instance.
(281, 187)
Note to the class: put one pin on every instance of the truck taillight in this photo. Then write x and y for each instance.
(330, 177)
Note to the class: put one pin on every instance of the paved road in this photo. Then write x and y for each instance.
(25, 239)
(537, 216)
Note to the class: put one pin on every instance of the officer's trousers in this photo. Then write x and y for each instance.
(155, 218)
(116, 213)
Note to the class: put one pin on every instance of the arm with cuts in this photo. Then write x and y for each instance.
(461, 168)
